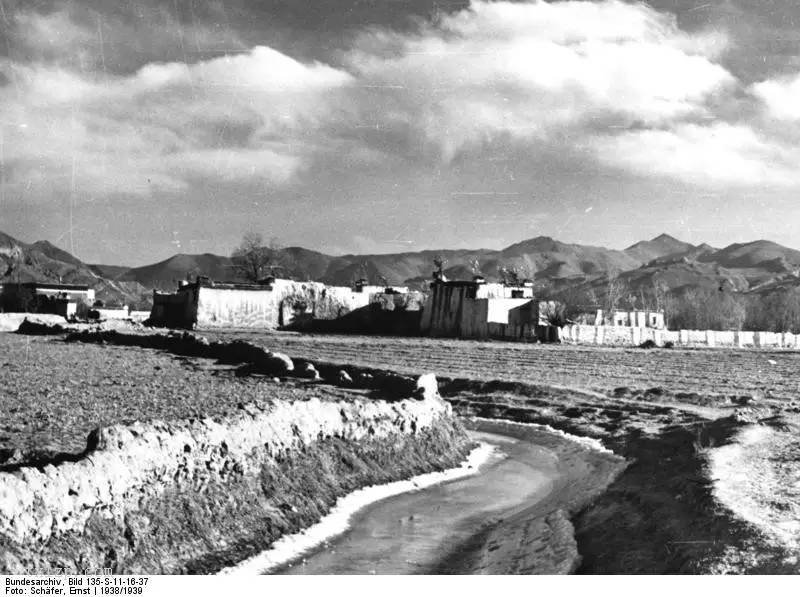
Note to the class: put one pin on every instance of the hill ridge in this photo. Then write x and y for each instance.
(552, 263)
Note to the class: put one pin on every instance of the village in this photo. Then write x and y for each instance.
(469, 309)
(308, 361)
(398, 289)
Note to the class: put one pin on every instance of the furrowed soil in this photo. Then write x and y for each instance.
(52, 394)
(174, 492)
(701, 376)
(700, 493)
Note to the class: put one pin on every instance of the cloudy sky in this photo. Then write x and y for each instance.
(136, 129)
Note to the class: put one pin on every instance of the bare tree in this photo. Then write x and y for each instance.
(253, 259)
(776, 312)
(475, 266)
(509, 275)
(439, 261)
(591, 297)
(363, 271)
(615, 291)
(554, 313)
(707, 309)
(526, 272)
(660, 295)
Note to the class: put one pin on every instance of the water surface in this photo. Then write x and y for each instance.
(411, 532)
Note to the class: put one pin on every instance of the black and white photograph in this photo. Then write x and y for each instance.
(356, 288)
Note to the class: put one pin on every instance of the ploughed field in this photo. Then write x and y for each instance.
(709, 435)
(701, 376)
(53, 393)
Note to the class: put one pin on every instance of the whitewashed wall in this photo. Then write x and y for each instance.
(633, 336)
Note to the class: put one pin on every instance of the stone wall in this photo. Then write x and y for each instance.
(387, 314)
(634, 336)
(123, 313)
(500, 308)
(279, 304)
(175, 497)
(522, 332)
(502, 291)
(649, 319)
(284, 303)
(222, 307)
(177, 309)
(452, 310)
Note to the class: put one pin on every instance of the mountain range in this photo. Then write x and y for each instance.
(759, 266)
(44, 262)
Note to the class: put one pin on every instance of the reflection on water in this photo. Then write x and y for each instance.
(406, 534)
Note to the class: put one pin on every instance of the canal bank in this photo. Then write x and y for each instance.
(510, 517)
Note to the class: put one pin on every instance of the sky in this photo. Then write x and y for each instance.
(137, 129)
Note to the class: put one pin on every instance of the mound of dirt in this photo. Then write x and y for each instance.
(36, 325)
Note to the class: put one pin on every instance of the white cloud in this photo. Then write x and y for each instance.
(716, 154)
(619, 79)
(235, 118)
(619, 82)
(780, 97)
(534, 70)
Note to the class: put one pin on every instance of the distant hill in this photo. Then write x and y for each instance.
(542, 256)
(683, 274)
(661, 246)
(553, 259)
(112, 272)
(51, 251)
(396, 268)
(743, 267)
(664, 260)
(165, 275)
(762, 254)
(10, 248)
(44, 262)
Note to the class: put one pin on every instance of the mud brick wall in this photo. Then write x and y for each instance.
(633, 336)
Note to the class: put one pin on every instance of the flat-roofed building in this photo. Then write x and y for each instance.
(476, 309)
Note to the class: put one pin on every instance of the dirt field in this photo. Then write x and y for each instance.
(677, 507)
(53, 393)
(685, 374)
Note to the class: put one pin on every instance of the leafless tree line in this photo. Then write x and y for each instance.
(690, 308)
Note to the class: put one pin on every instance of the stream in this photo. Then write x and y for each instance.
(410, 533)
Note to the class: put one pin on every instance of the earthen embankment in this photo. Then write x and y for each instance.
(199, 494)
